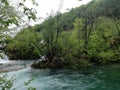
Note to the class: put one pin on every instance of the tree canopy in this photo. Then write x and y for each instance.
(10, 15)
(86, 35)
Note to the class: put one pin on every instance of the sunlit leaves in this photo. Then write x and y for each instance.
(10, 15)
(31, 13)
(5, 2)
(5, 83)
(24, 44)
(28, 82)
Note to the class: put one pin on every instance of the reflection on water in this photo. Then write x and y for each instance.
(105, 78)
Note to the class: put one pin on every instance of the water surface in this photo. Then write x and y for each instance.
(96, 78)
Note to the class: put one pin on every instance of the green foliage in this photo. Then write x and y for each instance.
(23, 45)
(86, 35)
(31, 88)
(9, 15)
(28, 82)
(7, 83)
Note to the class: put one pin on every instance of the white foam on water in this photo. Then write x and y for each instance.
(4, 61)
(4, 58)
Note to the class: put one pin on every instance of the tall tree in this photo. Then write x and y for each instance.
(11, 13)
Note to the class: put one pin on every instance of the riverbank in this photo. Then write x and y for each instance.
(69, 64)
(62, 64)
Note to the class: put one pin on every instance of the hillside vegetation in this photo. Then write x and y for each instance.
(84, 36)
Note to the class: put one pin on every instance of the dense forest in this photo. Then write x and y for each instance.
(85, 36)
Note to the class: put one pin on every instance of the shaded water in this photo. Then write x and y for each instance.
(97, 78)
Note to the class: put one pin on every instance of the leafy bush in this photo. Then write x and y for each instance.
(7, 83)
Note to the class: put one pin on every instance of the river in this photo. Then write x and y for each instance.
(95, 78)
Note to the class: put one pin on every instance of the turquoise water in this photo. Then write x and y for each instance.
(97, 78)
